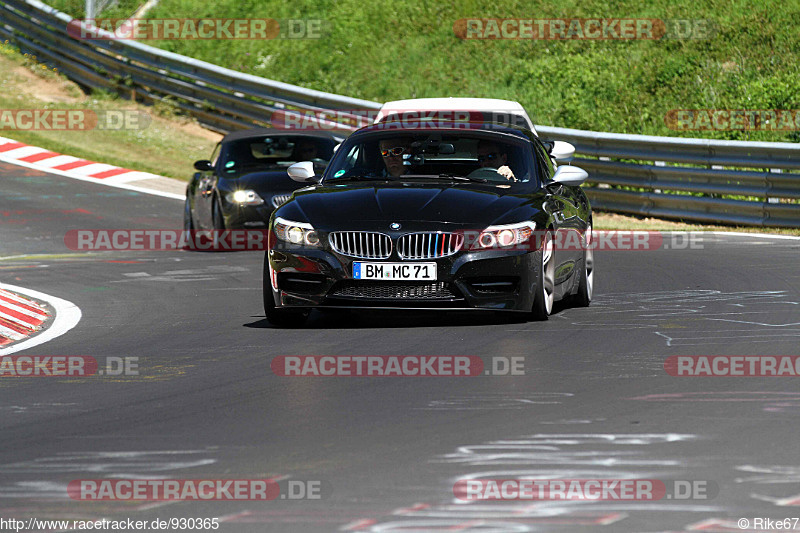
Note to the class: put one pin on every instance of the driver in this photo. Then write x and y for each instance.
(392, 151)
(490, 155)
(305, 150)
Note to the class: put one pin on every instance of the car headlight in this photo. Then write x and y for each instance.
(296, 232)
(504, 236)
(245, 197)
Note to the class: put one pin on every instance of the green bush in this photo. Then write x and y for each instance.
(390, 50)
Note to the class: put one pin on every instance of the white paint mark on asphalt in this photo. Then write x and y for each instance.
(176, 276)
(113, 464)
(713, 337)
(669, 339)
(764, 324)
(767, 475)
(495, 401)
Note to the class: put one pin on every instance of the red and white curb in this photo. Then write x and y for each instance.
(42, 159)
(19, 317)
(24, 323)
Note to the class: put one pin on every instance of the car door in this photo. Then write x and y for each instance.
(561, 204)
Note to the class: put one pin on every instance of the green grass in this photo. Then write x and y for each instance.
(76, 8)
(399, 49)
(161, 148)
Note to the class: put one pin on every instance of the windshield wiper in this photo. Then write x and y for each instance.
(434, 177)
(464, 178)
(362, 177)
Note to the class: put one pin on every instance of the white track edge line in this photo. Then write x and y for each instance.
(760, 235)
(67, 174)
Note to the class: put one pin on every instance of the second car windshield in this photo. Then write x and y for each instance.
(271, 152)
(494, 159)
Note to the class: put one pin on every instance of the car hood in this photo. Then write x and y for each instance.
(341, 206)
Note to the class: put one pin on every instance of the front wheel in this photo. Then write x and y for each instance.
(545, 283)
(289, 318)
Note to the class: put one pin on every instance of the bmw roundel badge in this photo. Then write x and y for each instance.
(395, 225)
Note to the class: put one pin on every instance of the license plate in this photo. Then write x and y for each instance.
(395, 271)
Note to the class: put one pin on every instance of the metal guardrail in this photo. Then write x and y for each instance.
(690, 179)
(698, 185)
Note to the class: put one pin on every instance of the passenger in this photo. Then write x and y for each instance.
(490, 155)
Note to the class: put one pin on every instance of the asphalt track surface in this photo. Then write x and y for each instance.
(594, 402)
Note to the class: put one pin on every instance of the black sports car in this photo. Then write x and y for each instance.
(459, 217)
(246, 179)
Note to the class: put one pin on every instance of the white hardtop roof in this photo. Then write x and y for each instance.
(456, 104)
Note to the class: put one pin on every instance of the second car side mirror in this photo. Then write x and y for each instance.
(302, 172)
(562, 152)
(570, 176)
(203, 164)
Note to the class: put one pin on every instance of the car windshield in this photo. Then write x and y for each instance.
(274, 152)
(458, 156)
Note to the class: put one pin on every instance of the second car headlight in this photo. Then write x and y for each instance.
(504, 236)
(245, 197)
(296, 232)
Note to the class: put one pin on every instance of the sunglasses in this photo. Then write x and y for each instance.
(393, 152)
(488, 157)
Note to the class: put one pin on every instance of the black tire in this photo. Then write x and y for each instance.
(216, 215)
(287, 318)
(586, 283)
(545, 287)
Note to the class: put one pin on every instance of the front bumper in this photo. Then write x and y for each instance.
(247, 217)
(488, 280)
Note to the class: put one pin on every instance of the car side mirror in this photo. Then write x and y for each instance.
(302, 172)
(203, 165)
(570, 176)
(562, 152)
